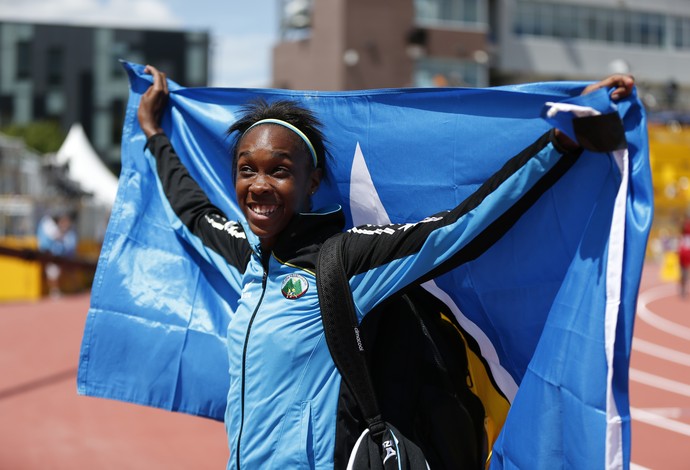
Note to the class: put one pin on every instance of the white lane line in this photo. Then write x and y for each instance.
(658, 417)
(662, 422)
(660, 323)
(660, 382)
(670, 412)
(662, 352)
(634, 466)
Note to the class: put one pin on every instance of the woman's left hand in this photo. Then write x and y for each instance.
(622, 87)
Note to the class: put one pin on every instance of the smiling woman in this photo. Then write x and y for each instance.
(287, 405)
(275, 178)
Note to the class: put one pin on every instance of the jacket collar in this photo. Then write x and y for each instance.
(305, 233)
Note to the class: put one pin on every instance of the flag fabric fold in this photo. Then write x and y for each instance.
(548, 309)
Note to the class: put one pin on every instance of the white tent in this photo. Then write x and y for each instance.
(85, 167)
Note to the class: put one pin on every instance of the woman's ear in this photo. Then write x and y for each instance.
(315, 180)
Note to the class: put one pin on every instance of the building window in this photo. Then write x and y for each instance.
(117, 113)
(23, 60)
(55, 66)
(681, 38)
(196, 68)
(118, 51)
(461, 11)
(560, 20)
(449, 73)
(6, 109)
(652, 30)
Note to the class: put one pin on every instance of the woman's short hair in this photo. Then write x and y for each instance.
(285, 110)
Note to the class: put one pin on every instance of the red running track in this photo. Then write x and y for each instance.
(45, 424)
(660, 376)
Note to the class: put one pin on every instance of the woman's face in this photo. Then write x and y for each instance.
(274, 179)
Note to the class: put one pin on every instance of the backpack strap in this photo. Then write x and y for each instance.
(341, 328)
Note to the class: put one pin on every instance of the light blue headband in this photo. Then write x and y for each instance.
(293, 129)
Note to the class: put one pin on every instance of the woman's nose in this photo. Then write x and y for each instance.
(260, 184)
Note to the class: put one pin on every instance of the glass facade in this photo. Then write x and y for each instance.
(600, 24)
(450, 11)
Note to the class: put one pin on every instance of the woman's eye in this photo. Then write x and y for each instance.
(245, 170)
(281, 172)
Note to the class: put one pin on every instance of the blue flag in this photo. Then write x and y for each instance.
(547, 312)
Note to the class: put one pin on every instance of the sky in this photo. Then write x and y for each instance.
(241, 32)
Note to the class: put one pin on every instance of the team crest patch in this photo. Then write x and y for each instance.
(294, 286)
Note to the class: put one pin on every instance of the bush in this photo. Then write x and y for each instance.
(42, 136)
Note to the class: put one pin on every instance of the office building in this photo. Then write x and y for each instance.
(72, 74)
(358, 44)
(350, 44)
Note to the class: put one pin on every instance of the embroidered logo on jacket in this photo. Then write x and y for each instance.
(294, 286)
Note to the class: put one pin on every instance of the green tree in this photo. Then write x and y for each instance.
(42, 136)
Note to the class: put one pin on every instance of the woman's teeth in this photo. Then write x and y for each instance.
(263, 210)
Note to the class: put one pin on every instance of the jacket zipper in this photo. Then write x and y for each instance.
(244, 359)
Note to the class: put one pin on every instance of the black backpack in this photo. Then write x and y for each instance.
(405, 400)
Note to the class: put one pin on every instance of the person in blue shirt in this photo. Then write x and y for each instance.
(56, 235)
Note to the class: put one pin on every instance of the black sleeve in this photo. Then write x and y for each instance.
(379, 260)
(193, 208)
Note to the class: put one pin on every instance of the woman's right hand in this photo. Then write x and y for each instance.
(153, 103)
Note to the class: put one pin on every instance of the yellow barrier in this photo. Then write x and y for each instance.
(669, 153)
(22, 269)
(19, 279)
(670, 268)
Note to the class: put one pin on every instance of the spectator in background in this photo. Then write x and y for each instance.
(56, 236)
(684, 257)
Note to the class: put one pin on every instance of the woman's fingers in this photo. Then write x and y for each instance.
(153, 102)
(622, 85)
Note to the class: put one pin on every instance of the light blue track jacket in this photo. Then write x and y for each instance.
(284, 387)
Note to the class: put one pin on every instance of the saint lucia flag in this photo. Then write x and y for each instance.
(547, 312)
